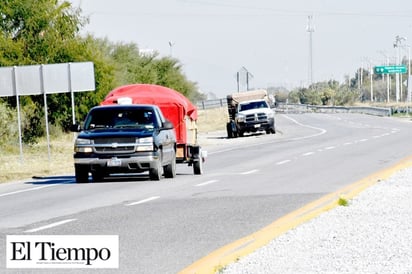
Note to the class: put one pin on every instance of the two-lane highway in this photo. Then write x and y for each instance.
(248, 183)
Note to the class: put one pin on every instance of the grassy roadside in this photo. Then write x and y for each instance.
(36, 160)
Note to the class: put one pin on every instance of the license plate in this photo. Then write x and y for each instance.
(114, 162)
(257, 126)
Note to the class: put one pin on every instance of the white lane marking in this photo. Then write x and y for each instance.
(321, 130)
(50, 225)
(331, 147)
(308, 153)
(376, 136)
(144, 201)
(207, 183)
(348, 143)
(26, 190)
(363, 140)
(283, 162)
(249, 172)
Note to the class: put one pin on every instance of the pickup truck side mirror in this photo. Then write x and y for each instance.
(167, 125)
(75, 128)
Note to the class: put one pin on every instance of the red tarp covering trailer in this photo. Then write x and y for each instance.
(175, 107)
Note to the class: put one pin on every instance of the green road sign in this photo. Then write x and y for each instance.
(390, 69)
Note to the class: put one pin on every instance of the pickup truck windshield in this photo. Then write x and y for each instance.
(252, 105)
(121, 118)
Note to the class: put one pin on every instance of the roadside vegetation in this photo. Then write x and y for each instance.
(343, 201)
(47, 32)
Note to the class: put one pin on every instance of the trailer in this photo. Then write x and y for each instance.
(176, 108)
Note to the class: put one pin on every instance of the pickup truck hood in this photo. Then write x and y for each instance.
(110, 133)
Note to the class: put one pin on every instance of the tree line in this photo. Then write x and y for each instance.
(48, 31)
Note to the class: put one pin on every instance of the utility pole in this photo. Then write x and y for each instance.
(311, 29)
(397, 45)
(171, 44)
(388, 79)
(237, 81)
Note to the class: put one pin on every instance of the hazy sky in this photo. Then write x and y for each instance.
(214, 39)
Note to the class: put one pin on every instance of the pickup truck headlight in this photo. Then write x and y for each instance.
(83, 145)
(240, 117)
(144, 144)
(271, 114)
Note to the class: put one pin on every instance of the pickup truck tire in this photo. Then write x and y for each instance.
(97, 175)
(170, 169)
(155, 173)
(81, 174)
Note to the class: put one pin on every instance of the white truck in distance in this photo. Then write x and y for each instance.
(249, 111)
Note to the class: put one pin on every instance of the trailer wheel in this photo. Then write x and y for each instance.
(198, 164)
(229, 130)
(170, 169)
(82, 174)
(198, 167)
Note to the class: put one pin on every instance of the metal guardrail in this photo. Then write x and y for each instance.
(215, 103)
(302, 108)
(299, 108)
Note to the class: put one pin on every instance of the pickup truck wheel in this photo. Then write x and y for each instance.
(155, 172)
(170, 169)
(97, 176)
(81, 173)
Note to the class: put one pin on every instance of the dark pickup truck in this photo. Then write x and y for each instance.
(124, 139)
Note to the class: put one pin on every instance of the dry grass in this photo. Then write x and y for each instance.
(36, 161)
(212, 119)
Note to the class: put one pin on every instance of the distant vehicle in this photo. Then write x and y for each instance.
(249, 111)
(138, 128)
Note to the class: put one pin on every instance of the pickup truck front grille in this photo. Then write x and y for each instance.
(257, 117)
(115, 145)
(126, 149)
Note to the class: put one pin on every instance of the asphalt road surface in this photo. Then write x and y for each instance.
(248, 183)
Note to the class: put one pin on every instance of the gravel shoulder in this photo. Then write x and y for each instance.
(373, 234)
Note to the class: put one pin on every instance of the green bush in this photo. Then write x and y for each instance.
(9, 130)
